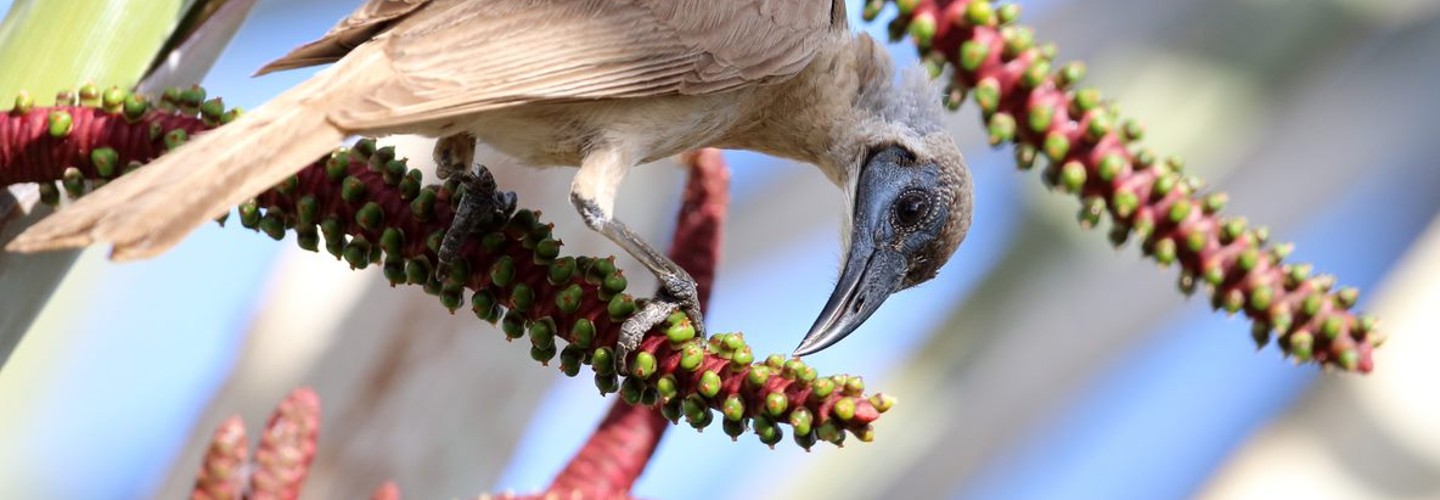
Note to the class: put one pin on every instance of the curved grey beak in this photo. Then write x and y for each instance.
(869, 277)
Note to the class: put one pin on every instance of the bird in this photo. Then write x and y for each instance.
(602, 85)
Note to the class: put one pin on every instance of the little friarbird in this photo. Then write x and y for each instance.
(603, 85)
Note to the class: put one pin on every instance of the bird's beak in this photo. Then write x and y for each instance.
(874, 267)
(870, 276)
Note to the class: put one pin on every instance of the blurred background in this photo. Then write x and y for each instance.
(1042, 363)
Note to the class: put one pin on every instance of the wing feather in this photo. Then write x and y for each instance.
(362, 25)
(451, 58)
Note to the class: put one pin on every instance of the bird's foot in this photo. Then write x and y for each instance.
(676, 292)
(481, 202)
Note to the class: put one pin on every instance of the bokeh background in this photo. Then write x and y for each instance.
(1042, 363)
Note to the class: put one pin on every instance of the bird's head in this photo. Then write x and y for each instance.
(910, 209)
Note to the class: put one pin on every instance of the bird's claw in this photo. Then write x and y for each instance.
(682, 290)
(481, 203)
(675, 293)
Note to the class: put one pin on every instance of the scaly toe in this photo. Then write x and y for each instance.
(633, 329)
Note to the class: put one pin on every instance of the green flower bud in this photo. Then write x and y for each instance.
(822, 388)
(309, 239)
(668, 387)
(680, 332)
(671, 410)
(105, 161)
(645, 365)
(24, 102)
(1332, 327)
(1165, 252)
(273, 225)
(1111, 166)
(767, 431)
(612, 284)
(620, 307)
(1001, 128)
(542, 333)
(709, 384)
(583, 332)
(337, 165)
(502, 272)
(418, 270)
(567, 300)
(1072, 176)
(1070, 74)
(733, 428)
(561, 270)
(987, 95)
(844, 409)
(1018, 39)
(1056, 146)
(1179, 210)
(357, 253)
(370, 216)
(513, 325)
(691, 356)
(59, 123)
(175, 138)
(423, 207)
(801, 419)
(1036, 74)
(607, 383)
(547, 250)
(630, 391)
(776, 403)
(980, 13)
(603, 360)
(733, 408)
(522, 297)
(830, 433)
(758, 376)
(973, 54)
(451, 297)
(1302, 345)
(482, 303)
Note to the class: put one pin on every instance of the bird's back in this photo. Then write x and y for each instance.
(450, 58)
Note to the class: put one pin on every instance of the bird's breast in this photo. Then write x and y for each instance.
(559, 134)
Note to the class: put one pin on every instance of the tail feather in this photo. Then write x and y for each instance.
(148, 211)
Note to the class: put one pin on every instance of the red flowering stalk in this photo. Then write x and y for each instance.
(281, 462)
(616, 454)
(287, 447)
(224, 472)
(1092, 154)
(370, 208)
(387, 491)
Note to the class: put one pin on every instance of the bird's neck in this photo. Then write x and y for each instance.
(819, 116)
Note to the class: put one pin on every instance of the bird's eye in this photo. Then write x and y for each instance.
(911, 208)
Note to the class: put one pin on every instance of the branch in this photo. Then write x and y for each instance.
(1092, 154)
(370, 208)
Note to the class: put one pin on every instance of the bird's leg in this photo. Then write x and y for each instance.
(593, 194)
(481, 202)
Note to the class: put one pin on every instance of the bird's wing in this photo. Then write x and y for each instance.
(457, 57)
(359, 27)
